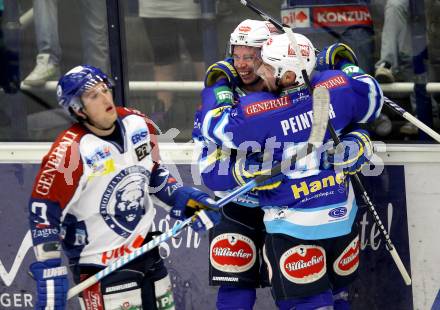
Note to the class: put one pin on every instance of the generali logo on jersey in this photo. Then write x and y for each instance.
(266, 106)
(232, 253)
(333, 82)
(333, 16)
(348, 261)
(303, 264)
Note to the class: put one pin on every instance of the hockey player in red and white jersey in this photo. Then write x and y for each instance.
(91, 198)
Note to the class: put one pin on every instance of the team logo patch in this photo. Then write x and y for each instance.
(338, 212)
(139, 136)
(142, 151)
(122, 204)
(348, 261)
(98, 155)
(223, 94)
(336, 81)
(232, 253)
(303, 264)
(266, 106)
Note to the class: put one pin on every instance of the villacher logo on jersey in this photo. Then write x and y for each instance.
(232, 253)
(348, 261)
(303, 263)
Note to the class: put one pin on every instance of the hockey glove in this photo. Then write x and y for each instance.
(222, 69)
(354, 151)
(245, 169)
(52, 284)
(334, 57)
(191, 201)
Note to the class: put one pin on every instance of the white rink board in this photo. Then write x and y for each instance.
(422, 173)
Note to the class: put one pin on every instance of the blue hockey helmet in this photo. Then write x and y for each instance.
(75, 82)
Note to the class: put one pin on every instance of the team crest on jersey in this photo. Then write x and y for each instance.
(232, 253)
(122, 204)
(303, 264)
(348, 261)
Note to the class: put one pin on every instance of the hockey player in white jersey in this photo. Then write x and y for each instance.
(91, 198)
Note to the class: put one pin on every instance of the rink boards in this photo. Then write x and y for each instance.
(406, 195)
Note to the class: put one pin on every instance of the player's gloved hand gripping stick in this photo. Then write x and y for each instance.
(321, 102)
(355, 178)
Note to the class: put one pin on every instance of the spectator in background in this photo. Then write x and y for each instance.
(167, 21)
(93, 34)
(9, 62)
(396, 48)
(396, 53)
(319, 21)
(395, 63)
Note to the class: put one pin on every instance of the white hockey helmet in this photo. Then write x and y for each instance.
(251, 32)
(279, 53)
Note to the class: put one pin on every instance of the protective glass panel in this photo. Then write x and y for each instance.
(39, 41)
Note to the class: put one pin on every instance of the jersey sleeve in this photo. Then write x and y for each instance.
(358, 95)
(54, 187)
(369, 98)
(215, 166)
(152, 130)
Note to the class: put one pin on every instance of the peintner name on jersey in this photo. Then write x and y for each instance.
(301, 121)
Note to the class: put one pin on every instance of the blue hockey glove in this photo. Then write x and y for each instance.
(245, 169)
(222, 69)
(334, 57)
(354, 151)
(191, 201)
(52, 284)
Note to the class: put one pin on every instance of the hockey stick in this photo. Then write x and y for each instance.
(355, 178)
(321, 102)
(413, 120)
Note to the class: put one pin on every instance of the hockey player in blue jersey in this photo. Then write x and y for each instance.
(312, 246)
(238, 275)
